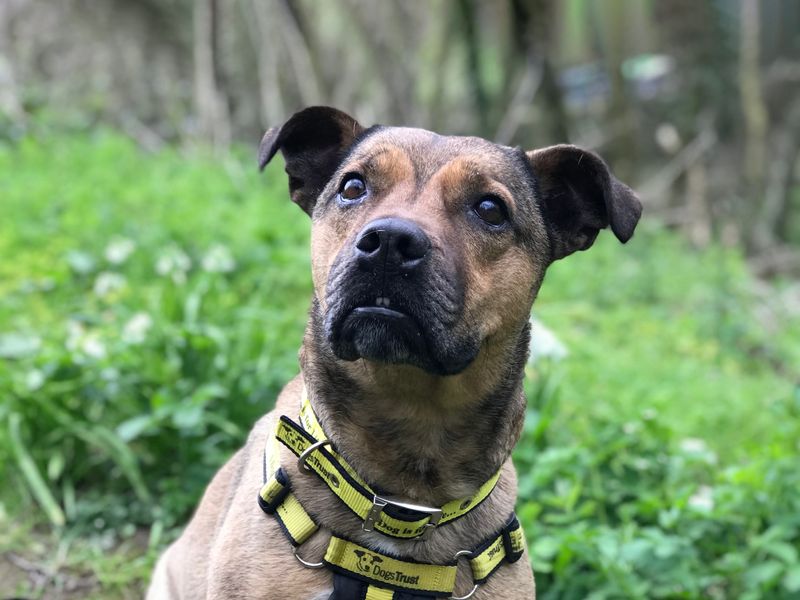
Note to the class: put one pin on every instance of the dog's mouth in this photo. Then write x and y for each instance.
(415, 320)
(400, 320)
(395, 334)
(380, 333)
(379, 311)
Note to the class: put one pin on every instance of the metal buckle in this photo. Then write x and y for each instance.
(380, 503)
(301, 460)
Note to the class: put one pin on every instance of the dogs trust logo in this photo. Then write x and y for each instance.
(367, 561)
(370, 564)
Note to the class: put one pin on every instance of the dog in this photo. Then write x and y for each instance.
(427, 252)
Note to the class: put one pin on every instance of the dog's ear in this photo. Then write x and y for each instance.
(313, 143)
(359, 553)
(579, 196)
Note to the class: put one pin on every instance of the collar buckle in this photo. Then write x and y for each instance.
(379, 503)
(301, 460)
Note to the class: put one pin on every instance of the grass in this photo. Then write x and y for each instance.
(151, 306)
(656, 326)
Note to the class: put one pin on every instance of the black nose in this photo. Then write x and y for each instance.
(392, 243)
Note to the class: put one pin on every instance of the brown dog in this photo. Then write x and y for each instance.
(427, 253)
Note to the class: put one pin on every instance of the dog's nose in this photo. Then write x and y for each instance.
(392, 242)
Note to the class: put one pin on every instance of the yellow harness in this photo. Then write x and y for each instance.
(361, 573)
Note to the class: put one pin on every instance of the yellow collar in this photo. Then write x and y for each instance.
(387, 515)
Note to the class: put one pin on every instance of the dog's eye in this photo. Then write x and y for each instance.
(491, 210)
(353, 188)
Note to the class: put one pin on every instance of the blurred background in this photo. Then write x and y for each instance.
(154, 287)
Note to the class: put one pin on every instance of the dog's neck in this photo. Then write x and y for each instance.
(409, 433)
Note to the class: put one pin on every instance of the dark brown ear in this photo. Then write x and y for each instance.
(579, 196)
(313, 143)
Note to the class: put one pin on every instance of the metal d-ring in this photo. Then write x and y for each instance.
(474, 589)
(458, 555)
(301, 460)
(319, 565)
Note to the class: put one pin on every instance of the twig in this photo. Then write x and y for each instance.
(610, 131)
(691, 153)
(43, 576)
(257, 15)
(782, 71)
(520, 103)
(299, 56)
(780, 259)
(143, 135)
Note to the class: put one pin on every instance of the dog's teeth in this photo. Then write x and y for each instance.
(382, 301)
(386, 301)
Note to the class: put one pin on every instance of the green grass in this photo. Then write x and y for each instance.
(655, 326)
(151, 307)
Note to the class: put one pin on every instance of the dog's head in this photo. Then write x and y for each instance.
(427, 247)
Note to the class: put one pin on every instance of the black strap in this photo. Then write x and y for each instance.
(512, 554)
(270, 507)
(347, 588)
(409, 596)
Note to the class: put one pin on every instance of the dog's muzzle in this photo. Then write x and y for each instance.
(392, 298)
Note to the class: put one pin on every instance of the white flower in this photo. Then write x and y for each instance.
(107, 283)
(174, 262)
(75, 332)
(34, 379)
(80, 262)
(218, 259)
(87, 343)
(648, 414)
(630, 427)
(109, 374)
(93, 346)
(693, 445)
(544, 343)
(118, 250)
(698, 449)
(135, 330)
(703, 499)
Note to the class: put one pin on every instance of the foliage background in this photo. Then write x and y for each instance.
(153, 287)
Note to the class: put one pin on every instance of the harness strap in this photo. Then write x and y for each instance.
(276, 499)
(377, 575)
(385, 571)
(357, 495)
(507, 546)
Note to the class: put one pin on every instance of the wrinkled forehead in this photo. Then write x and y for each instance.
(428, 152)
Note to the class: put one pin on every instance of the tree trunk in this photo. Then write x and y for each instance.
(210, 107)
(10, 104)
(257, 17)
(466, 12)
(755, 121)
